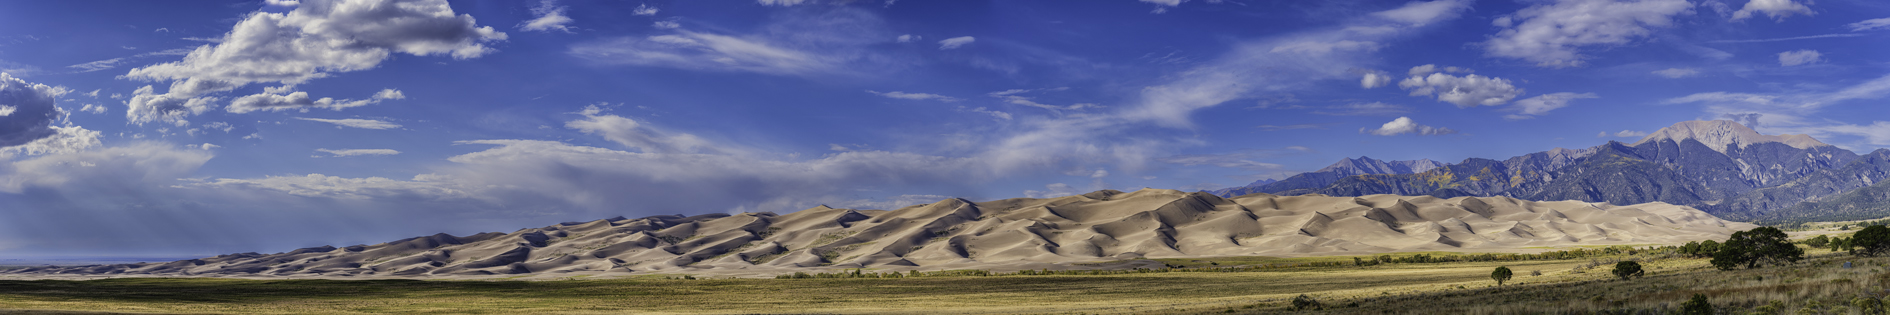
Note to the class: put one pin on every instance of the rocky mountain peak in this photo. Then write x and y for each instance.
(1365, 165)
(1717, 134)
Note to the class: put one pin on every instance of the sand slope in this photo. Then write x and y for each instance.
(957, 233)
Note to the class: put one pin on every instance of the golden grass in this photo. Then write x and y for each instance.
(1443, 288)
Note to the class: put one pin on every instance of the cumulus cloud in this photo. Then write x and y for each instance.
(1375, 79)
(1465, 91)
(1404, 125)
(549, 16)
(354, 152)
(914, 96)
(301, 101)
(955, 42)
(1550, 34)
(356, 123)
(1541, 104)
(315, 40)
(27, 110)
(644, 10)
(907, 38)
(1428, 69)
(1799, 57)
(1676, 73)
(1777, 9)
(147, 163)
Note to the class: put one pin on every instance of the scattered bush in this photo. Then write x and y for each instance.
(1501, 274)
(1696, 306)
(1303, 302)
(1628, 269)
(1818, 242)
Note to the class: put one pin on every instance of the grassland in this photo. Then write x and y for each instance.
(1816, 286)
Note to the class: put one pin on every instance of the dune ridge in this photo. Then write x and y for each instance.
(1021, 233)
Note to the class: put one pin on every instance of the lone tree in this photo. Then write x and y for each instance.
(1628, 269)
(1871, 241)
(1501, 274)
(1754, 247)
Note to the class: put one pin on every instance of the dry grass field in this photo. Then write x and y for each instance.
(1816, 286)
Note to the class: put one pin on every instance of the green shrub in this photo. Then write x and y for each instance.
(1500, 274)
(1628, 269)
(1303, 302)
(1871, 241)
(1696, 306)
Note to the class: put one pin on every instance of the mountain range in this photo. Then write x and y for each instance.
(1719, 166)
(1102, 229)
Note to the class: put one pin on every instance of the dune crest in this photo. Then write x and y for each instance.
(1098, 226)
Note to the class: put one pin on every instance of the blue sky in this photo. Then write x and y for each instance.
(187, 128)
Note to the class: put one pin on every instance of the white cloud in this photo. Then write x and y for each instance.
(549, 16)
(1318, 47)
(1777, 9)
(1012, 97)
(301, 101)
(1428, 69)
(144, 163)
(315, 40)
(1418, 13)
(914, 96)
(1870, 25)
(354, 152)
(95, 109)
(1053, 190)
(1375, 79)
(1541, 104)
(781, 2)
(704, 51)
(64, 140)
(1550, 34)
(1466, 91)
(667, 25)
(115, 62)
(206, 146)
(1676, 73)
(1623, 134)
(907, 38)
(955, 42)
(1799, 57)
(644, 10)
(282, 3)
(1789, 113)
(1404, 125)
(356, 123)
(1242, 161)
(1364, 109)
(31, 109)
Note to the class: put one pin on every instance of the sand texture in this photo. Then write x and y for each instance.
(1077, 231)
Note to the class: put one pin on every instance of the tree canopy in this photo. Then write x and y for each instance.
(1501, 274)
(1628, 269)
(1871, 241)
(1755, 247)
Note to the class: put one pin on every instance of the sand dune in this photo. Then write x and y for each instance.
(1002, 234)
